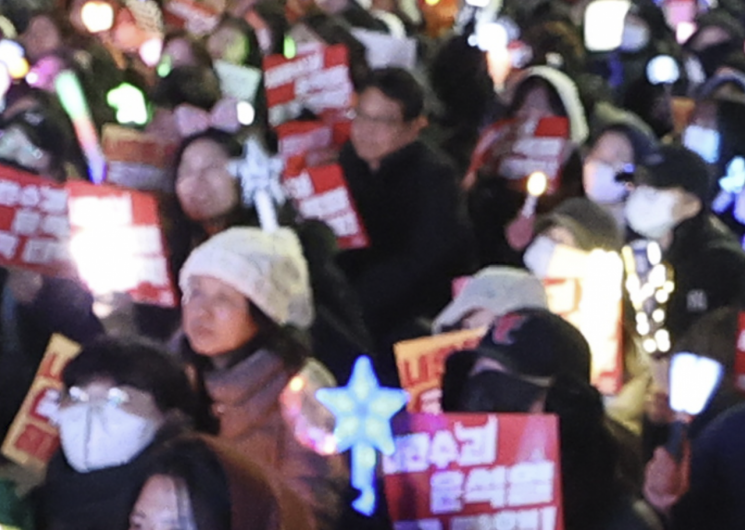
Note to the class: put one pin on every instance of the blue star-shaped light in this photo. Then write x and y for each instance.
(363, 411)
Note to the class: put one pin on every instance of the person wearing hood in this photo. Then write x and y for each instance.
(122, 398)
(200, 483)
(247, 308)
(533, 361)
(495, 194)
(669, 205)
(620, 142)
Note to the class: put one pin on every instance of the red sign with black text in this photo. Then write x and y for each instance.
(317, 80)
(464, 471)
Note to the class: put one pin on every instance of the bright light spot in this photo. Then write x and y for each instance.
(129, 103)
(246, 113)
(297, 384)
(658, 315)
(537, 184)
(693, 379)
(491, 36)
(97, 16)
(662, 297)
(604, 24)
(432, 2)
(32, 78)
(650, 346)
(684, 31)
(663, 69)
(150, 51)
(654, 253)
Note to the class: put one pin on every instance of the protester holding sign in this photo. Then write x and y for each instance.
(545, 125)
(534, 361)
(247, 308)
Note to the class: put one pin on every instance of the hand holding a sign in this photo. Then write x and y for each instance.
(665, 479)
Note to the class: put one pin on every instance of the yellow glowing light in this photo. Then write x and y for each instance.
(296, 384)
(658, 316)
(432, 2)
(97, 16)
(537, 184)
(650, 346)
(662, 297)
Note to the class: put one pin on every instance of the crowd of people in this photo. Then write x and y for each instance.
(204, 416)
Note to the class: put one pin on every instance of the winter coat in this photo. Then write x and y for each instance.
(419, 237)
(249, 400)
(708, 270)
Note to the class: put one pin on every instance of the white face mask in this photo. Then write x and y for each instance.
(546, 258)
(600, 183)
(702, 141)
(634, 37)
(97, 436)
(650, 211)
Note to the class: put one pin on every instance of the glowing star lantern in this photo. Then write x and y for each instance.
(693, 380)
(537, 186)
(663, 70)
(12, 56)
(363, 411)
(97, 16)
(259, 175)
(73, 101)
(129, 103)
(604, 24)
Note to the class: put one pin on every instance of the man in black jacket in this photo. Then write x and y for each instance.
(407, 197)
(671, 205)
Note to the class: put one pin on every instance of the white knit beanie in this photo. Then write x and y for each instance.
(268, 268)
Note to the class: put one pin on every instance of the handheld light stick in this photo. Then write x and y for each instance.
(693, 380)
(97, 17)
(537, 186)
(73, 101)
(129, 103)
(363, 411)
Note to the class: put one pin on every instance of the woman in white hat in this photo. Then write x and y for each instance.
(247, 305)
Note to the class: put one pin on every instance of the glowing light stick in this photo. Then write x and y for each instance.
(129, 103)
(363, 411)
(693, 380)
(289, 48)
(537, 186)
(663, 69)
(73, 101)
(12, 56)
(604, 24)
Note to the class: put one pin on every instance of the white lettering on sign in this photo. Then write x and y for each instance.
(322, 80)
(39, 251)
(539, 147)
(53, 200)
(8, 245)
(299, 187)
(288, 72)
(446, 489)
(9, 193)
(470, 446)
(26, 222)
(345, 225)
(422, 524)
(30, 197)
(56, 225)
(533, 519)
(97, 211)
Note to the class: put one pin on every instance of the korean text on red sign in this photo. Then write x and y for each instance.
(485, 471)
(317, 80)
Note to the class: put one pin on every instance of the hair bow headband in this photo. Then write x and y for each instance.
(191, 120)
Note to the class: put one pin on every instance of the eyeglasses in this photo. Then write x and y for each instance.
(382, 121)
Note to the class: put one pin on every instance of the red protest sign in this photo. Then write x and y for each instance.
(455, 471)
(117, 243)
(322, 193)
(516, 149)
(194, 17)
(138, 160)
(317, 80)
(740, 354)
(421, 364)
(33, 223)
(32, 438)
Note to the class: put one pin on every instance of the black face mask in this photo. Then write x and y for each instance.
(492, 391)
